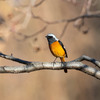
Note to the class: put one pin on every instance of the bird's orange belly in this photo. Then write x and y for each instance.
(57, 49)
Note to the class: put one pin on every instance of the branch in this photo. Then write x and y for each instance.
(82, 58)
(32, 35)
(38, 4)
(2, 20)
(64, 30)
(35, 66)
(28, 13)
(66, 21)
(14, 59)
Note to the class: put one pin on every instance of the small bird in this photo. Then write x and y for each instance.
(57, 48)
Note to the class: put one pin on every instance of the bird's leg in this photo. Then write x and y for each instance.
(54, 61)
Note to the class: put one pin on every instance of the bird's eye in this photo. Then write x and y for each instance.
(50, 36)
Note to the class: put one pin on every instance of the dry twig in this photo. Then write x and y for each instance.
(66, 21)
(38, 4)
(78, 21)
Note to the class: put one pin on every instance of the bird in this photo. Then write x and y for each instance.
(57, 48)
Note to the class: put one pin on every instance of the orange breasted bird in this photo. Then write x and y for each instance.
(57, 48)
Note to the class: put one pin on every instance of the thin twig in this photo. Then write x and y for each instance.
(25, 37)
(64, 30)
(87, 58)
(14, 59)
(38, 4)
(91, 15)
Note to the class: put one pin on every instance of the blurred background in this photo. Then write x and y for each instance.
(23, 26)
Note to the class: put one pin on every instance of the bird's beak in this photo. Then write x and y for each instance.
(46, 36)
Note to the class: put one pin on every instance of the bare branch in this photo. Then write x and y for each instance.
(64, 30)
(14, 59)
(87, 58)
(85, 16)
(38, 4)
(1, 20)
(35, 66)
(32, 35)
(67, 21)
(27, 13)
(78, 21)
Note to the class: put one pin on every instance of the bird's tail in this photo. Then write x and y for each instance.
(63, 60)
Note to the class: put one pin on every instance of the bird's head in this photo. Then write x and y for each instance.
(51, 38)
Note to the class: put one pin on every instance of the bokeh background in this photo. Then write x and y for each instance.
(23, 35)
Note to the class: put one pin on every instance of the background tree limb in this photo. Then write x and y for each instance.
(35, 66)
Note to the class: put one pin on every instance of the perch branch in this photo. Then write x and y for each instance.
(35, 66)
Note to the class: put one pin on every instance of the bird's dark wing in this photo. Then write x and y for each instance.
(63, 47)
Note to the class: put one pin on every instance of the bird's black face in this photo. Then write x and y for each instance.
(50, 39)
